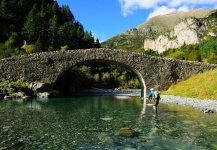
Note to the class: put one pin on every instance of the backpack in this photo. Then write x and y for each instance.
(156, 95)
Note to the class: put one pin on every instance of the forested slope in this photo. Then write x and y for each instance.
(28, 26)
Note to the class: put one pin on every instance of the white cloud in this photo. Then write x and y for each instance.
(166, 10)
(183, 8)
(161, 11)
(163, 6)
(128, 6)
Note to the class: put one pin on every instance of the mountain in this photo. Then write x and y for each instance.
(191, 30)
(166, 22)
(160, 30)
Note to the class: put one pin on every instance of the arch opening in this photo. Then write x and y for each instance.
(73, 79)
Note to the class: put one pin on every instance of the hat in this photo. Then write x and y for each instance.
(152, 89)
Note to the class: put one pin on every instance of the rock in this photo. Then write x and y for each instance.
(18, 94)
(186, 32)
(39, 87)
(126, 132)
(26, 97)
(208, 111)
(43, 95)
(47, 94)
(106, 119)
(105, 138)
(206, 106)
(143, 138)
(7, 97)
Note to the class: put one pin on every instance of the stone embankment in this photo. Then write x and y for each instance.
(206, 106)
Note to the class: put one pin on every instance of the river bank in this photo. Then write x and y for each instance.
(206, 106)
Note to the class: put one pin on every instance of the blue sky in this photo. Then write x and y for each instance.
(107, 18)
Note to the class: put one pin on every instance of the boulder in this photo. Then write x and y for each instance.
(18, 94)
(47, 94)
(39, 87)
(127, 132)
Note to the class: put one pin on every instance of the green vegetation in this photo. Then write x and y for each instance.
(129, 41)
(103, 75)
(202, 86)
(205, 51)
(133, 39)
(11, 87)
(36, 26)
(96, 75)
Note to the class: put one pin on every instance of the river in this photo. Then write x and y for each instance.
(104, 122)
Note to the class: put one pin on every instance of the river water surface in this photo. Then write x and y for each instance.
(103, 122)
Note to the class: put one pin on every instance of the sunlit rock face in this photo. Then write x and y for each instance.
(189, 31)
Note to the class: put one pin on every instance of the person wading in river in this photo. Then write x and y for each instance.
(151, 94)
(156, 99)
(154, 94)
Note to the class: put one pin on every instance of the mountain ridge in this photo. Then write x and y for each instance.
(133, 39)
(176, 17)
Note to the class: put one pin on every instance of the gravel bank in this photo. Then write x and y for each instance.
(207, 106)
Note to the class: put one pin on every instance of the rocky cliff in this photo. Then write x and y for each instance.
(164, 31)
(189, 31)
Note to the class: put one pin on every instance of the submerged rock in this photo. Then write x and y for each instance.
(127, 132)
(106, 119)
(105, 138)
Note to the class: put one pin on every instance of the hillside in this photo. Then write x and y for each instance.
(159, 24)
(133, 39)
(204, 86)
(38, 25)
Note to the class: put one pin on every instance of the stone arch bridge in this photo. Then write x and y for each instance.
(46, 67)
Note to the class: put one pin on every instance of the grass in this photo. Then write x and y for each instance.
(203, 86)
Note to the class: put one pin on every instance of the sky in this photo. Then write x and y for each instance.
(108, 18)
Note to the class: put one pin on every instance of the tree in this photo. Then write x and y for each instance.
(194, 56)
(4, 7)
(52, 31)
(42, 26)
(64, 34)
(38, 45)
(29, 31)
(212, 57)
(66, 14)
(97, 43)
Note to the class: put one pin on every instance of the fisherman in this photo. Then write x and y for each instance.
(151, 94)
(155, 95)
(157, 99)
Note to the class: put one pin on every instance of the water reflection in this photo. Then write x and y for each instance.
(100, 122)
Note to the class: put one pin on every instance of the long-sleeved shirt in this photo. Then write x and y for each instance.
(150, 95)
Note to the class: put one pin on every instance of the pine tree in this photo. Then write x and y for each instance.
(52, 31)
(38, 45)
(97, 43)
(66, 14)
(4, 7)
(29, 31)
(42, 25)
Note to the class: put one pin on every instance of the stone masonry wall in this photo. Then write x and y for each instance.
(46, 67)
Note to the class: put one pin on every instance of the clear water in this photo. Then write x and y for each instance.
(97, 122)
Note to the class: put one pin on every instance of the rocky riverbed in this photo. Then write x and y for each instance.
(206, 106)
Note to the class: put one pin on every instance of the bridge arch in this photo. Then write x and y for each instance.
(136, 72)
(152, 71)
